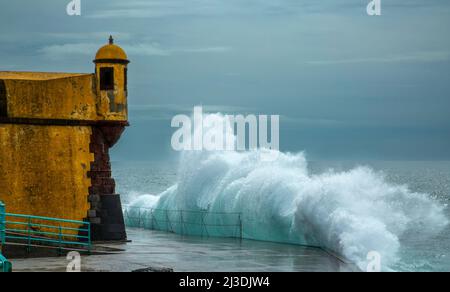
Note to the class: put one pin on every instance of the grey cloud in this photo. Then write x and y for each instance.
(409, 57)
(329, 70)
(165, 112)
(57, 52)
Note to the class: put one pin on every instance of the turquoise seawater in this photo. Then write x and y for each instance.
(417, 253)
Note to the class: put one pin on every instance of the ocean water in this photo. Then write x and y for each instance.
(398, 212)
(416, 252)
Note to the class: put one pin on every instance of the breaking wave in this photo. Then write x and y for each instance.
(351, 213)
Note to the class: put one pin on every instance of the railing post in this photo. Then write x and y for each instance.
(204, 224)
(89, 238)
(60, 239)
(2, 225)
(148, 216)
(182, 222)
(153, 219)
(169, 224)
(29, 235)
(240, 227)
(139, 218)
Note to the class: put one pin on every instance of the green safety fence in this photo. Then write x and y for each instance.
(5, 265)
(186, 222)
(35, 231)
(2, 224)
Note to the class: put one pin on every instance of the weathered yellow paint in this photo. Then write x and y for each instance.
(71, 98)
(13, 75)
(50, 140)
(112, 104)
(43, 170)
(111, 52)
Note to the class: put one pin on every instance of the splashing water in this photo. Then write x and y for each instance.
(351, 213)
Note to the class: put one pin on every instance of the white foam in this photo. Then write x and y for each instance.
(351, 213)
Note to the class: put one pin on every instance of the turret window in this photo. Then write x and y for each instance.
(106, 78)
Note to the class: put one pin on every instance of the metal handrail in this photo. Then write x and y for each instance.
(176, 221)
(2, 225)
(184, 211)
(45, 218)
(5, 265)
(45, 230)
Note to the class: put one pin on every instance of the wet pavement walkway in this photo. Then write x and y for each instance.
(193, 254)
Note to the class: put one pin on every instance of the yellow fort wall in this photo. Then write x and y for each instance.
(70, 98)
(43, 170)
(56, 130)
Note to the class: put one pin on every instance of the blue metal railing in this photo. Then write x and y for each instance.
(2, 225)
(186, 222)
(5, 265)
(37, 230)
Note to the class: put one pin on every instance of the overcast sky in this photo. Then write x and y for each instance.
(347, 86)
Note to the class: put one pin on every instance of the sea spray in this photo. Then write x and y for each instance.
(351, 213)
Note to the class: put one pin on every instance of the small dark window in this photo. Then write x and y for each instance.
(3, 101)
(106, 78)
(125, 72)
